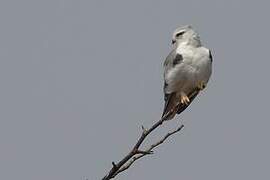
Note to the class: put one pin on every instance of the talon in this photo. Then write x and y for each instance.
(201, 85)
(184, 99)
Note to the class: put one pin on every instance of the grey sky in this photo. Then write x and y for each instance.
(79, 78)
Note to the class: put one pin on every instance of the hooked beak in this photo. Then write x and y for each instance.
(173, 41)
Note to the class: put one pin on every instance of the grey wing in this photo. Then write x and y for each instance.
(168, 62)
(170, 97)
(171, 61)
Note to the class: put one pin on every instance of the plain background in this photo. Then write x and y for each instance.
(78, 79)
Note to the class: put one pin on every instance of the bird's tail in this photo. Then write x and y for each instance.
(170, 107)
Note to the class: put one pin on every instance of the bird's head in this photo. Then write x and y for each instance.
(187, 35)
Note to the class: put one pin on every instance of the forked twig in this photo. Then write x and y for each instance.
(136, 153)
(148, 151)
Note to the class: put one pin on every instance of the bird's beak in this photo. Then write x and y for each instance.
(173, 41)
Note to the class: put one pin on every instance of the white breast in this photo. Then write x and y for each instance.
(195, 68)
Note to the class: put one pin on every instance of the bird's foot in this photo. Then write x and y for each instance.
(184, 99)
(201, 86)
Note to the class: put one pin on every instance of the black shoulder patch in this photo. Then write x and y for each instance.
(178, 58)
(210, 56)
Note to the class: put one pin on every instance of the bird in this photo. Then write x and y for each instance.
(187, 70)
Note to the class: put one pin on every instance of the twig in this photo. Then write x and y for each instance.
(135, 153)
(147, 151)
(135, 150)
(165, 137)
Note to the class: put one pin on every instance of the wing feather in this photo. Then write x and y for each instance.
(170, 97)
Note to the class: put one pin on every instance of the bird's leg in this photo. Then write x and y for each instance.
(201, 85)
(184, 99)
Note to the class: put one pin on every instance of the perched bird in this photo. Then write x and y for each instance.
(187, 70)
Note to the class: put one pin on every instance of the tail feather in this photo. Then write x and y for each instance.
(169, 107)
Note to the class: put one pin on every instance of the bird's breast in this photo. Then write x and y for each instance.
(193, 69)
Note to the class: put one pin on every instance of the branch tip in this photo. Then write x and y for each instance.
(135, 153)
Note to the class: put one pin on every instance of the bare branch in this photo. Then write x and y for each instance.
(134, 150)
(165, 137)
(135, 153)
(129, 163)
(144, 152)
(147, 151)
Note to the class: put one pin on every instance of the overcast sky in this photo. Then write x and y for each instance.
(78, 79)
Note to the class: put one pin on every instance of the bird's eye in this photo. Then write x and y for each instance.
(180, 34)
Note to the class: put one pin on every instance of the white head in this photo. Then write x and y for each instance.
(186, 35)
